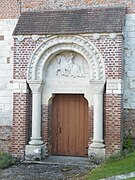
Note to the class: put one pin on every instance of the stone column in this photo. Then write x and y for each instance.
(97, 148)
(36, 113)
(35, 149)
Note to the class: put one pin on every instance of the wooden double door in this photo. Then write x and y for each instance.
(70, 125)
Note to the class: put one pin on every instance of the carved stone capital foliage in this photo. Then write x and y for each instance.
(97, 86)
(112, 35)
(35, 37)
(57, 44)
(96, 36)
(36, 86)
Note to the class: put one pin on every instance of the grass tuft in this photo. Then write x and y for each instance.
(6, 160)
(115, 165)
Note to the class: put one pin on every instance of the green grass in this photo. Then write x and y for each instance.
(113, 166)
(6, 160)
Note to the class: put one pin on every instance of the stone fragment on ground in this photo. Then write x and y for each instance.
(121, 177)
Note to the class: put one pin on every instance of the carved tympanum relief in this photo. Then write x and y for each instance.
(56, 44)
(66, 72)
(68, 65)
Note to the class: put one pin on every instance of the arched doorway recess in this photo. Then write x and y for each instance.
(70, 125)
(93, 83)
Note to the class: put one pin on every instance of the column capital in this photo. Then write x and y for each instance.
(97, 86)
(36, 86)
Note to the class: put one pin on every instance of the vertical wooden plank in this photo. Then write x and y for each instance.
(81, 127)
(86, 126)
(54, 127)
(70, 125)
(77, 122)
(60, 114)
(66, 126)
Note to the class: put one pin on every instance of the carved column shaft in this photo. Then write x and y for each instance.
(36, 88)
(98, 120)
(97, 88)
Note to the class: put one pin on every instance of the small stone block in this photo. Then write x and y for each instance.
(33, 153)
(96, 155)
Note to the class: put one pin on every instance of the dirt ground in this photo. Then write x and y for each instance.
(53, 168)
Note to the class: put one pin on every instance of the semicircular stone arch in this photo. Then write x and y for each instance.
(56, 44)
(44, 82)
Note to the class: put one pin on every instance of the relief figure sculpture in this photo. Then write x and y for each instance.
(67, 67)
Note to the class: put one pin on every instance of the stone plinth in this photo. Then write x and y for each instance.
(33, 153)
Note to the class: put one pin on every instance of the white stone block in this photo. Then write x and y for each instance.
(5, 93)
(6, 121)
(117, 91)
(132, 83)
(109, 91)
(131, 34)
(5, 67)
(2, 86)
(132, 27)
(131, 73)
(16, 86)
(112, 86)
(1, 105)
(5, 100)
(10, 87)
(20, 86)
(23, 86)
(8, 106)
(4, 73)
(130, 17)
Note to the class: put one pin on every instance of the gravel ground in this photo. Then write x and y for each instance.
(51, 169)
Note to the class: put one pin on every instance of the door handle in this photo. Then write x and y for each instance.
(60, 130)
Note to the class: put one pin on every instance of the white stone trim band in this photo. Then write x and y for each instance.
(114, 86)
(20, 86)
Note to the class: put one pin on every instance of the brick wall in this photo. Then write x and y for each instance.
(22, 54)
(21, 123)
(113, 122)
(111, 50)
(47, 126)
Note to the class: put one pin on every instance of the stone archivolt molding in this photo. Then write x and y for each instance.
(56, 44)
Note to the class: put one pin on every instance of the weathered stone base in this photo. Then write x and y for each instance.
(33, 153)
(96, 154)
